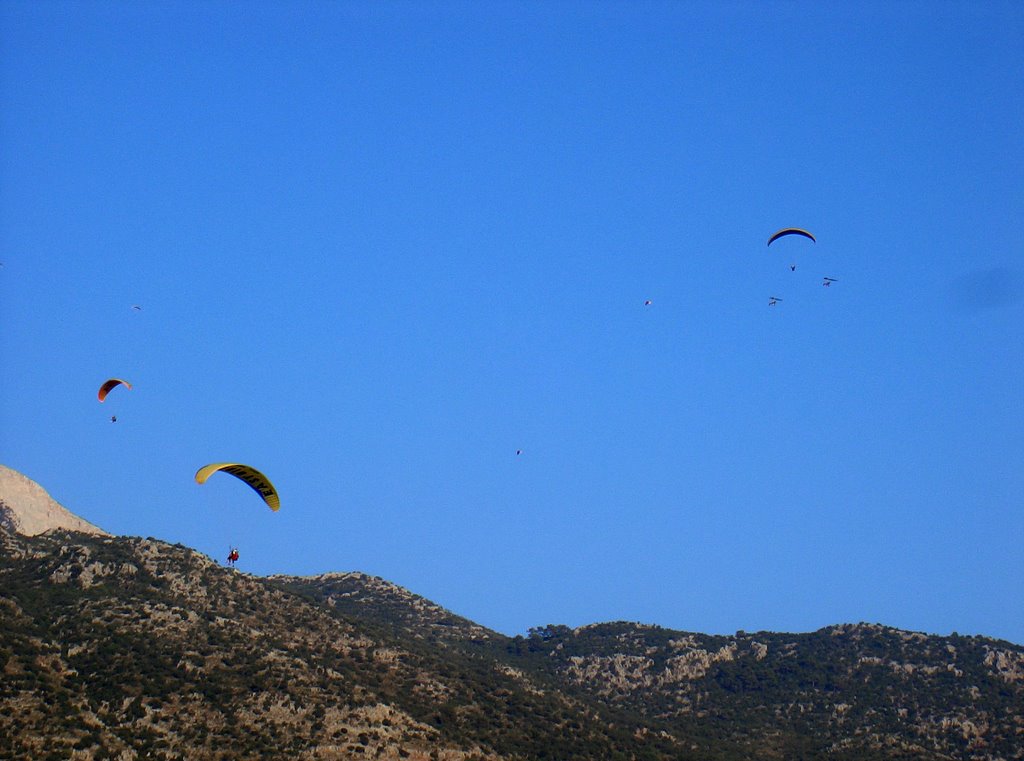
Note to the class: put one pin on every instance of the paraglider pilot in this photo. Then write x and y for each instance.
(233, 556)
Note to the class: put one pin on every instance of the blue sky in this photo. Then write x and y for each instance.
(379, 247)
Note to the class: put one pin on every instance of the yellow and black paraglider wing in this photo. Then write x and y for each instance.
(259, 482)
(110, 385)
(790, 231)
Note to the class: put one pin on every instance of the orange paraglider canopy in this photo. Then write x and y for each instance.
(110, 384)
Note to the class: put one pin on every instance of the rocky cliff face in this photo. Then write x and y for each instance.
(27, 509)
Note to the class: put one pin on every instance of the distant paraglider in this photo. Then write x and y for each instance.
(773, 300)
(648, 302)
(111, 384)
(233, 556)
(828, 281)
(790, 231)
(256, 480)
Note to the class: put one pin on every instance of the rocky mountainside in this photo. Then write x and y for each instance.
(127, 648)
(848, 691)
(860, 691)
(132, 648)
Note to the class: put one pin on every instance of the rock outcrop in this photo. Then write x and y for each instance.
(26, 508)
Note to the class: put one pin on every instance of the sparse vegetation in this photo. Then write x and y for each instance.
(119, 648)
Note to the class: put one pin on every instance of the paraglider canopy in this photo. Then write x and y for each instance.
(790, 231)
(259, 482)
(111, 384)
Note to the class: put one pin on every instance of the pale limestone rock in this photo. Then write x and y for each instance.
(27, 509)
(1006, 664)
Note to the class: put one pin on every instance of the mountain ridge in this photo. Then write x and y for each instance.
(130, 648)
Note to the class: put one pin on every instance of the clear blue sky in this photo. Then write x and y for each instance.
(379, 247)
